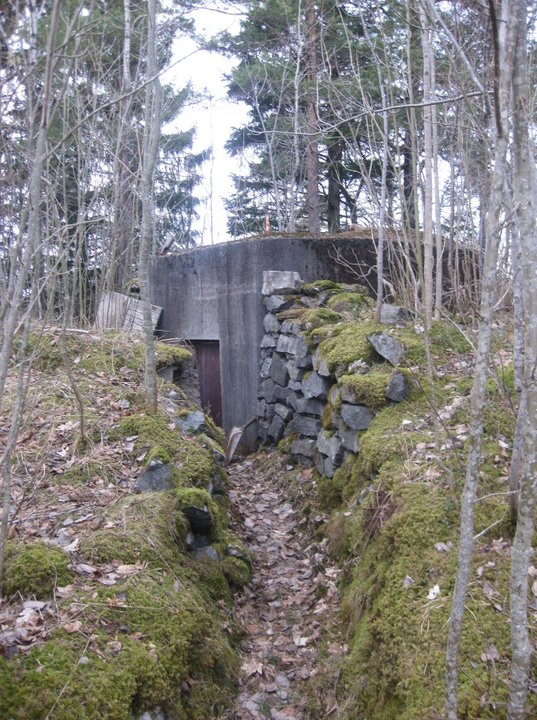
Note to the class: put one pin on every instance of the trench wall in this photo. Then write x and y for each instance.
(322, 405)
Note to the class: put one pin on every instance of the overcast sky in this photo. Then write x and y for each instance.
(213, 119)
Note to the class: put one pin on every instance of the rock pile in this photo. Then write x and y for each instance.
(322, 389)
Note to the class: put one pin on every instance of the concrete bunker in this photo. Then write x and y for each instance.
(211, 297)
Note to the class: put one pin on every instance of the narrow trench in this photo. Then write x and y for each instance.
(292, 596)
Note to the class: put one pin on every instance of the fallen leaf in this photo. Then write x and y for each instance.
(72, 627)
(252, 667)
(491, 654)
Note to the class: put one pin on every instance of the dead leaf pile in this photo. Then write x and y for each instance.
(292, 594)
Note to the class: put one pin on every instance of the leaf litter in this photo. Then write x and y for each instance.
(292, 596)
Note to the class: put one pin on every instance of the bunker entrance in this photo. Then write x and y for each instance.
(208, 362)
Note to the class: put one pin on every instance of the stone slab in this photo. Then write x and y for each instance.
(280, 281)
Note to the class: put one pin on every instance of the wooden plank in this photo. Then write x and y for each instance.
(123, 312)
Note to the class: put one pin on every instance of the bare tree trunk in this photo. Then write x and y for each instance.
(124, 171)
(312, 152)
(525, 189)
(153, 105)
(478, 396)
(428, 166)
(32, 240)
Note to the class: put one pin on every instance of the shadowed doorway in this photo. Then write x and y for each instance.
(208, 361)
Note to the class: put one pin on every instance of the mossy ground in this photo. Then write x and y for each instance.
(393, 514)
(35, 569)
(135, 624)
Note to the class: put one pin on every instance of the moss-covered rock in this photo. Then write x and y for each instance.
(203, 513)
(237, 572)
(193, 464)
(35, 569)
(139, 529)
(369, 389)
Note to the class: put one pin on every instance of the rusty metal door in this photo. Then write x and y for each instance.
(208, 360)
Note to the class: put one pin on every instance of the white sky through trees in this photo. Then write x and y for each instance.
(213, 115)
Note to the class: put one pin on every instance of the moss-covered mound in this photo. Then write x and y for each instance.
(392, 520)
(35, 569)
(129, 617)
(158, 644)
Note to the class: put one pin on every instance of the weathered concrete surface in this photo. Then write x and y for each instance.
(214, 293)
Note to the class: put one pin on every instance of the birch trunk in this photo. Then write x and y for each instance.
(525, 188)
(478, 396)
(152, 117)
(31, 244)
(428, 170)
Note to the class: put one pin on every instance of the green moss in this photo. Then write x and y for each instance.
(193, 464)
(151, 431)
(173, 640)
(35, 569)
(83, 472)
(369, 389)
(237, 572)
(143, 528)
(447, 336)
(157, 453)
(330, 490)
(167, 354)
(397, 659)
(317, 317)
(351, 304)
(387, 438)
(350, 344)
(313, 288)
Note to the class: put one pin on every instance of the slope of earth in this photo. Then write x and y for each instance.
(113, 606)
(391, 521)
(293, 593)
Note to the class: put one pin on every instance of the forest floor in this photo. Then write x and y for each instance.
(288, 611)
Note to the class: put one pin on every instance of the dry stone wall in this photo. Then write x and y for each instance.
(302, 394)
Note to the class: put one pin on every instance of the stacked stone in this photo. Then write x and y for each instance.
(295, 384)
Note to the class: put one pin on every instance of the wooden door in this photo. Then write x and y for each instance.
(208, 360)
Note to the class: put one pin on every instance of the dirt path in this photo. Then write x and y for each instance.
(292, 593)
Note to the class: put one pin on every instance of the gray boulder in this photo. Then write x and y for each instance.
(356, 417)
(315, 386)
(193, 423)
(388, 347)
(397, 389)
(271, 323)
(307, 406)
(304, 425)
(290, 327)
(264, 371)
(157, 478)
(394, 314)
(207, 553)
(304, 447)
(320, 365)
(280, 281)
(275, 303)
(349, 439)
(269, 341)
(331, 447)
(278, 371)
(276, 428)
(283, 411)
(267, 390)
